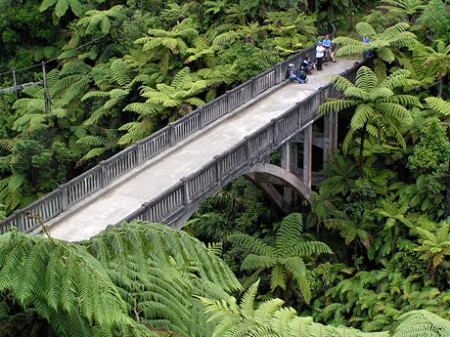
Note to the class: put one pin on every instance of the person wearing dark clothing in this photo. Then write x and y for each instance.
(306, 66)
(293, 75)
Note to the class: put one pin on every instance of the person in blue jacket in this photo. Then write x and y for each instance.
(329, 51)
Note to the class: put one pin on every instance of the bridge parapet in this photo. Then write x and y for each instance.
(108, 171)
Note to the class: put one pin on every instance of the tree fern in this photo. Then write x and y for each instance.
(61, 283)
(377, 107)
(288, 256)
(386, 44)
(95, 20)
(269, 318)
(159, 271)
(422, 323)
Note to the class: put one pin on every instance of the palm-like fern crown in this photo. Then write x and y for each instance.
(385, 43)
(269, 318)
(378, 108)
(405, 8)
(166, 246)
(287, 258)
(95, 20)
(422, 323)
(140, 272)
(159, 271)
(63, 284)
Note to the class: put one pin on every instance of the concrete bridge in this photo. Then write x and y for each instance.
(166, 176)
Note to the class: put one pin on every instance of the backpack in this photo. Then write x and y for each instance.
(301, 74)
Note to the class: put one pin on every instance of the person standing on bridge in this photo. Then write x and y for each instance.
(320, 52)
(329, 52)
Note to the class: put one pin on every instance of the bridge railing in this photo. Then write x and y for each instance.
(95, 179)
(167, 207)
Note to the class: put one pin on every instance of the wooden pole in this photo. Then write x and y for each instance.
(47, 94)
(15, 82)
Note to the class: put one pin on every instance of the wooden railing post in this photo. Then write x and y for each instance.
(273, 122)
(228, 101)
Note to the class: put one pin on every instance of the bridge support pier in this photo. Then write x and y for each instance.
(289, 159)
(301, 154)
(330, 136)
(307, 155)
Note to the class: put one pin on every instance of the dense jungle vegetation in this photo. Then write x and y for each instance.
(370, 257)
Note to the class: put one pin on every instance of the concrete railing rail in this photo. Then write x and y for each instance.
(100, 176)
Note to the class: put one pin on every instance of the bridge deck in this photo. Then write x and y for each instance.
(142, 184)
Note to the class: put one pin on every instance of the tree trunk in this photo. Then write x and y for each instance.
(361, 151)
(447, 199)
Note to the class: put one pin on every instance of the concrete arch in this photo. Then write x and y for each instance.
(264, 174)
(286, 177)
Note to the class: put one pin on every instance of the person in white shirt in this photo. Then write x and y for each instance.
(320, 52)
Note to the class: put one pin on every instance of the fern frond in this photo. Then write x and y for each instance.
(439, 105)
(252, 262)
(266, 310)
(422, 323)
(335, 105)
(362, 115)
(7, 144)
(251, 244)
(364, 29)
(366, 79)
(290, 231)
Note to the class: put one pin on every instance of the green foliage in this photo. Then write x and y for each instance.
(378, 110)
(95, 20)
(256, 62)
(269, 318)
(158, 271)
(113, 91)
(387, 45)
(435, 246)
(421, 323)
(62, 6)
(25, 33)
(434, 22)
(238, 206)
(431, 154)
(34, 169)
(404, 10)
(62, 284)
(287, 259)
